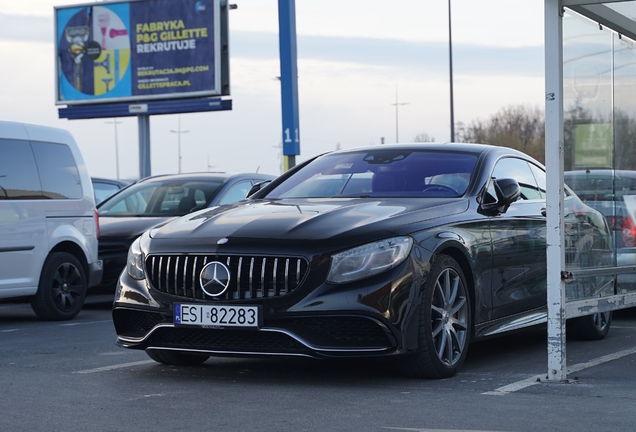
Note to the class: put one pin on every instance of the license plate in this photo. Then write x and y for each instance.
(216, 316)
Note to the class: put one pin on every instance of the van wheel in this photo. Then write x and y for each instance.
(62, 288)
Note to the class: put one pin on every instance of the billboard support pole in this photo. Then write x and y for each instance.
(288, 80)
(144, 145)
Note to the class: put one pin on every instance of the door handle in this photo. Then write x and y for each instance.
(543, 212)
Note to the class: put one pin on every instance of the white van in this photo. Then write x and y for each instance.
(48, 223)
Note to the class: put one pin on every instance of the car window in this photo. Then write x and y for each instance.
(161, 198)
(519, 170)
(58, 171)
(539, 176)
(236, 192)
(18, 174)
(381, 173)
(103, 190)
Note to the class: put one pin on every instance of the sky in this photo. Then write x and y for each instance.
(356, 59)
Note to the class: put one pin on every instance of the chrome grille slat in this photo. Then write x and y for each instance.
(251, 277)
(273, 290)
(286, 275)
(194, 277)
(185, 271)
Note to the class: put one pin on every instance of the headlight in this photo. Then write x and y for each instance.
(135, 261)
(368, 260)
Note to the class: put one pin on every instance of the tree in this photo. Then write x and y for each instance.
(516, 126)
(424, 137)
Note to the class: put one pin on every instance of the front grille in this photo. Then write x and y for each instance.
(225, 340)
(251, 276)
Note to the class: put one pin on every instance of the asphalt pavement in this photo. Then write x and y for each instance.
(70, 376)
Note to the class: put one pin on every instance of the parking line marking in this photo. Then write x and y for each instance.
(80, 323)
(119, 366)
(519, 385)
(432, 430)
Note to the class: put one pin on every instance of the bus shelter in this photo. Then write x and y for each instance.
(590, 78)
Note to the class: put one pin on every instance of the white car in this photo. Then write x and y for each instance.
(48, 222)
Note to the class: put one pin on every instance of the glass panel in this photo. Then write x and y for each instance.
(623, 188)
(161, 198)
(588, 148)
(627, 9)
(519, 170)
(103, 191)
(58, 171)
(18, 175)
(587, 66)
(236, 192)
(381, 173)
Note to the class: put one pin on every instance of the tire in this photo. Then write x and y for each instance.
(62, 288)
(176, 358)
(589, 327)
(444, 327)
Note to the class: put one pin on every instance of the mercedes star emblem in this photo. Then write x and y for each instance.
(214, 278)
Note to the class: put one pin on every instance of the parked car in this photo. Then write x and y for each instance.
(401, 251)
(613, 193)
(48, 223)
(155, 200)
(104, 187)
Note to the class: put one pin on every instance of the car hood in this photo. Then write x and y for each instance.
(311, 219)
(127, 227)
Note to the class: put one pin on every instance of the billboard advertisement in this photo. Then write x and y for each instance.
(139, 50)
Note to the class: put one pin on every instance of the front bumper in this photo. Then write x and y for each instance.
(371, 318)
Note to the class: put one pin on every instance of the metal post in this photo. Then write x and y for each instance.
(450, 68)
(179, 132)
(554, 204)
(396, 104)
(115, 122)
(144, 145)
(289, 80)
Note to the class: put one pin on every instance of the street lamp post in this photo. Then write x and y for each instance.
(116, 122)
(179, 132)
(396, 104)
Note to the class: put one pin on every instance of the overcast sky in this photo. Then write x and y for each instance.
(352, 56)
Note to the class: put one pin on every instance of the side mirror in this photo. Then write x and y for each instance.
(508, 191)
(258, 186)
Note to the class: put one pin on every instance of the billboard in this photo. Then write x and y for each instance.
(140, 50)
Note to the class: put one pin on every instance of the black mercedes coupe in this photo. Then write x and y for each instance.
(402, 251)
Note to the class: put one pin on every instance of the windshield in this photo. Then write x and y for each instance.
(157, 198)
(381, 173)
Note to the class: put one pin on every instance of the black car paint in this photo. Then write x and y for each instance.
(494, 252)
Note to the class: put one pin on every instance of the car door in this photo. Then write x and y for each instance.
(23, 239)
(518, 241)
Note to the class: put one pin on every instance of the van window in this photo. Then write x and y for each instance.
(58, 171)
(18, 174)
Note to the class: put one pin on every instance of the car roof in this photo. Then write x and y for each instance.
(474, 148)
